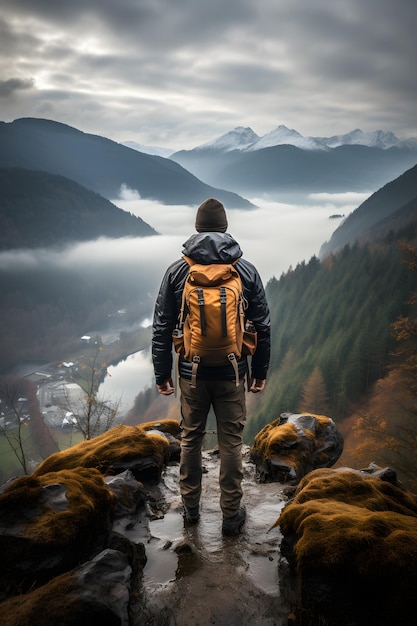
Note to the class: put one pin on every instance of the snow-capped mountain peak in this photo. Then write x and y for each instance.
(237, 139)
(283, 135)
(376, 139)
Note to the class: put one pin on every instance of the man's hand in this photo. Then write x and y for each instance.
(167, 387)
(257, 385)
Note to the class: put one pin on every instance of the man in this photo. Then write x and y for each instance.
(216, 386)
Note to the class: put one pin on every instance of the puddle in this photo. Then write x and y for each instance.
(162, 562)
(263, 571)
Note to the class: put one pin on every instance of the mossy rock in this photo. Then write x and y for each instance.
(295, 444)
(50, 523)
(351, 540)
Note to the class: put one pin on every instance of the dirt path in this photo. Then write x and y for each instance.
(195, 576)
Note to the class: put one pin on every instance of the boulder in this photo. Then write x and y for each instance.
(143, 449)
(97, 592)
(49, 524)
(350, 538)
(293, 445)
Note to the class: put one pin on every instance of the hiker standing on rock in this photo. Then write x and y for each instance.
(212, 305)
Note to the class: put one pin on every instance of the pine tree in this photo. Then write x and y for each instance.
(314, 396)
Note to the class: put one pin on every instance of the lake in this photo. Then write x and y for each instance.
(128, 378)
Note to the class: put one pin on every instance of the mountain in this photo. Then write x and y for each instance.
(285, 162)
(38, 209)
(286, 136)
(286, 169)
(393, 201)
(239, 138)
(102, 165)
(377, 139)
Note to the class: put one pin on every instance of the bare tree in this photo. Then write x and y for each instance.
(89, 413)
(12, 422)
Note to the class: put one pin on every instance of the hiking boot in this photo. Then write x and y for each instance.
(233, 525)
(191, 514)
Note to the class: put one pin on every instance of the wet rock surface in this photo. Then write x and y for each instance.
(193, 574)
(294, 445)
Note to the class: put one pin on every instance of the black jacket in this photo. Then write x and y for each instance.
(208, 248)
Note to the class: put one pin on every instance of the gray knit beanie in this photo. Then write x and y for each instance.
(211, 217)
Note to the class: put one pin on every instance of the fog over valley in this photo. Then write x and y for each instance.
(273, 236)
(105, 275)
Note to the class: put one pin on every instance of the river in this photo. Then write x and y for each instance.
(128, 378)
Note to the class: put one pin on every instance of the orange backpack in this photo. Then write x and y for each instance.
(211, 325)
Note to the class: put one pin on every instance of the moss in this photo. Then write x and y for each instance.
(356, 488)
(58, 602)
(40, 605)
(351, 541)
(351, 528)
(38, 541)
(165, 426)
(122, 443)
(276, 437)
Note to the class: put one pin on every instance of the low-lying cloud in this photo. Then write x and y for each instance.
(273, 236)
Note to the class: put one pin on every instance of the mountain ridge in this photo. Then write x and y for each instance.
(278, 170)
(380, 207)
(245, 138)
(39, 209)
(103, 165)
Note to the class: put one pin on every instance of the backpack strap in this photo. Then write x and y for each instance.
(196, 363)
(223, 302)
(176, 373)
(200, 296)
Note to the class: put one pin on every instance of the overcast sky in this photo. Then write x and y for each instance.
(179, 73)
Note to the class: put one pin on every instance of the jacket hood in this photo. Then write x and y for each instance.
(212, 247)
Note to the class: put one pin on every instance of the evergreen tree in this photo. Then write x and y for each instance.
(314, 396)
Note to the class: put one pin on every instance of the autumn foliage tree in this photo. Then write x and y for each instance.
(387, 429)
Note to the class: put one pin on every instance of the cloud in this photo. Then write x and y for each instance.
(180, 74)
(7, 87)
(274, 236)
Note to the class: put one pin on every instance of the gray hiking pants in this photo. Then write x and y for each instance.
(229, 406)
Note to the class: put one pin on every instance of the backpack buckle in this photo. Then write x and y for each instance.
(232, 359)
(196, 363)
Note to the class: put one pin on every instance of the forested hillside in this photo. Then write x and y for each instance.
(397, 195)
(38, 209)
(331, 330)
